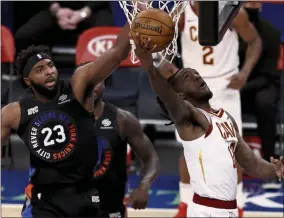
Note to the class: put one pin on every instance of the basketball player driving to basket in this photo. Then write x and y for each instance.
(210, 139)
(59, 131)
(219, 67)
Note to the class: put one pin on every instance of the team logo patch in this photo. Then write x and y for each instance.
(105, 157)
(53, 136)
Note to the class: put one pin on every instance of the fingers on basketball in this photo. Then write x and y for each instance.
(144, 43)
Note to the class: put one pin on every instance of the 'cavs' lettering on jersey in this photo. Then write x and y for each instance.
(53, 136)
(227, 130)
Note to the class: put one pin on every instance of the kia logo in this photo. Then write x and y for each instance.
(98, 45)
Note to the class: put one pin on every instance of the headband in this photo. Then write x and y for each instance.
(32, 61)
(170, 79)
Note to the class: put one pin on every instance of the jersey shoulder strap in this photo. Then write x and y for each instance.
(66, 86)
(28, 107)
(111, 108)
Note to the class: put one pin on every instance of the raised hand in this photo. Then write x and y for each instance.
(278, 166)
(143, 49)
(63, 16)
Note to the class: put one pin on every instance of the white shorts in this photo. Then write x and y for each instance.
(196, 210)
(223, 97)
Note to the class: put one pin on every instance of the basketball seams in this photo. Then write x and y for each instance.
(158, 25)
(150, 18)
(151, 34)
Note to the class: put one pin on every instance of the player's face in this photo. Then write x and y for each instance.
(190, 84)
(98, 91)
(44, 78)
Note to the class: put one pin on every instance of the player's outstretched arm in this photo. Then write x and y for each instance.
(252, 164)
(10, 119)
(179, 111)
(94, 72)
(130, 130)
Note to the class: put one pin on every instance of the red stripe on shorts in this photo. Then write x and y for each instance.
(210, 202)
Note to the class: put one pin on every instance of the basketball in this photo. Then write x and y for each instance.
(155, 24)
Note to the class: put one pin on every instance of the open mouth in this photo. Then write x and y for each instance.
(202, 84)
(50, 82)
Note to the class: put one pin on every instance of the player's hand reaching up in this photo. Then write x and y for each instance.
(138, 198)
(279, 166)
(143, 49)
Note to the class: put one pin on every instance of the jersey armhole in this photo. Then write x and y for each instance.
(210, 128)
(66, 85)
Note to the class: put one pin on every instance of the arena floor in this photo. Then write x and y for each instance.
(12, 210)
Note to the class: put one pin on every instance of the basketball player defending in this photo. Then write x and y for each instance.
(110, 175)
(210, 139)
(59, 131)
(218, 66)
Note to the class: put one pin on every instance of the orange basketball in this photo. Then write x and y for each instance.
(155, 24)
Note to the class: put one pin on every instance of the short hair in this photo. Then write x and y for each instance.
(24, 55)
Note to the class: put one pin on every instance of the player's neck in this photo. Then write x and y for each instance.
(99, 109)
(42, 97)
(204, 106)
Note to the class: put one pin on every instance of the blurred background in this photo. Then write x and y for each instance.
(32, 22)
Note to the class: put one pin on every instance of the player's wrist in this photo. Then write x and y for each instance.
(143, 185)
(245, 72)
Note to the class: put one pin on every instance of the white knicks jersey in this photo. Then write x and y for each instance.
(211, 160)
(208, 61)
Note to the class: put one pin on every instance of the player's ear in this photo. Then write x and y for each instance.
(27, 81)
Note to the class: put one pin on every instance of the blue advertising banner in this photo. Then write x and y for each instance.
(164, 193)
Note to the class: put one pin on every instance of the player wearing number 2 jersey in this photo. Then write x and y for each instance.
(59, 131)
(210, 139)
(219, 67)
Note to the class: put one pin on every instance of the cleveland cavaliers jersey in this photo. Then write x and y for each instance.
(209, 61)
(211, 160)
(61, 137)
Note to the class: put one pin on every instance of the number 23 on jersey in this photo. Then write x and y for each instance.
(207, 51)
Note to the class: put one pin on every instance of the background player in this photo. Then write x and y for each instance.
(58, 131)
(115, 128)
(219, 66)
(111, 173)
(206, 134)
